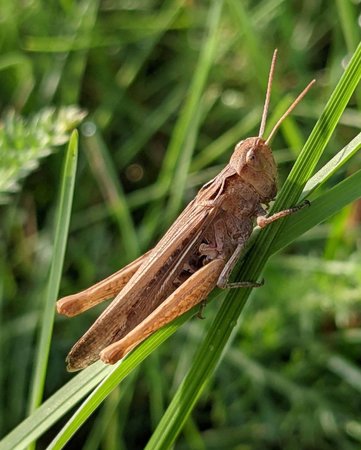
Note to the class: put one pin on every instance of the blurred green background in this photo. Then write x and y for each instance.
(165, 106)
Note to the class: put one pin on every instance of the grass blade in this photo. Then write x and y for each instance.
(332, 166)
(116, 375)
(112, 190)
(61, 233)
(54, 408)
(323, 207)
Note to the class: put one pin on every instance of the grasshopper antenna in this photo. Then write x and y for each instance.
(268, 94)
(289, 110)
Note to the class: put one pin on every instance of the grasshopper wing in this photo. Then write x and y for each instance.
(152, 283)
(74, 304)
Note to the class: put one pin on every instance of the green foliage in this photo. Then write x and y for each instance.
(24, 142)
(171, 87)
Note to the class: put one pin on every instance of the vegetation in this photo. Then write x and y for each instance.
(169, 88)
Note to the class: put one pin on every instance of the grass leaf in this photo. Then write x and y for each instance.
(61, 233)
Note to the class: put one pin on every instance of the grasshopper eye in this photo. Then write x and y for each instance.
(251, 157)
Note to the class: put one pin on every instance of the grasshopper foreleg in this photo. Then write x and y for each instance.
(264, 220)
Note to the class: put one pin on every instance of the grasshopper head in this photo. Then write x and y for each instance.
(252, 158)
(253, 161)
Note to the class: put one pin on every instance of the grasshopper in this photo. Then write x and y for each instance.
(196, 254)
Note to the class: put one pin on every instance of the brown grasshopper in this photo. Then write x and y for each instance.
(195, 255)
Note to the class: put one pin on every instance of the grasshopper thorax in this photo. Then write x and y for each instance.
(253, 162)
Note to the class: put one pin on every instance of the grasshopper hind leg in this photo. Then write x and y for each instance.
(190, 293)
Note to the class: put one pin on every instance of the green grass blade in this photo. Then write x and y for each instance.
(321, 134)
(154, 121)
(61, 232)
(196, 90)
(78, 387)
(132, 65)
(112, 190)
(116, 375)
(181, 173)
(332, 166)
(323, 207)
(54, 408)
(253, 43)
(348, 16)
(347, 371)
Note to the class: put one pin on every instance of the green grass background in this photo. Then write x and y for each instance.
(169, 88)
